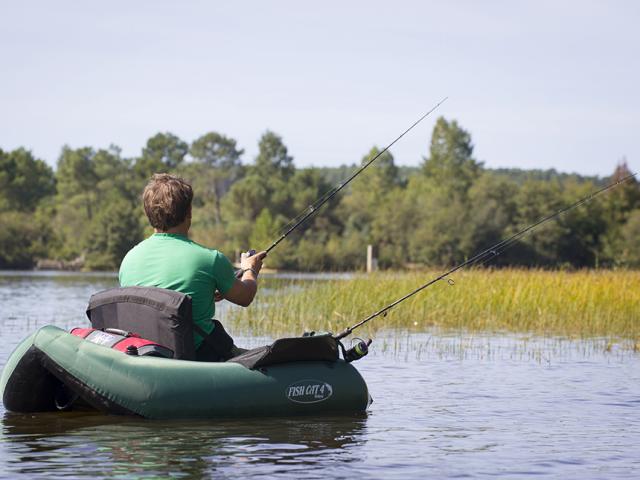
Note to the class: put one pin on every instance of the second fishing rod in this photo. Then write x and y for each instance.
(482, 257)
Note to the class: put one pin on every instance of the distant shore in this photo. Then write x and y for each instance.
(75, 265)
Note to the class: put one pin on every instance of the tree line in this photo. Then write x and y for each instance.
(88, 211)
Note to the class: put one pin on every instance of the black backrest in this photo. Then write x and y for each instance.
(157, 314)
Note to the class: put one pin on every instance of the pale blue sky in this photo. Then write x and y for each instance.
(538, 84)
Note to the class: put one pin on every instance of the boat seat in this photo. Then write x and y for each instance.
(164, 316)
(157, 314)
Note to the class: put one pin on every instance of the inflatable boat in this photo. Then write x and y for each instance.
(56, 370)
(52, 367)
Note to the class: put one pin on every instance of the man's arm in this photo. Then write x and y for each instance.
(244, 289)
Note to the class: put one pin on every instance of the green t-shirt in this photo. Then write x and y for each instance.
(172, 261)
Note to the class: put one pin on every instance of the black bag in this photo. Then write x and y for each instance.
(157, 314)
(284, 350)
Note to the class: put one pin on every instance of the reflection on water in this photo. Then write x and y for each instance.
(56, 444)
(446, 406)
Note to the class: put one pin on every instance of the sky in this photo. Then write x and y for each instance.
(542, 84)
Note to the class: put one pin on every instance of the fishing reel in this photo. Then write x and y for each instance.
(357, 351)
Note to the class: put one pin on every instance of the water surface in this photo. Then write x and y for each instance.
(445, 406)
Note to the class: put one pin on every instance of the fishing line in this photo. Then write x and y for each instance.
(488, 254)
(310, 210)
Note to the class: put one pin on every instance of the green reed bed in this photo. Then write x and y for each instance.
(574, 304)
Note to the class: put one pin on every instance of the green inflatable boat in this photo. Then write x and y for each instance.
(53, 369)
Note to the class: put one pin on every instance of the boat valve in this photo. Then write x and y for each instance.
(132, 350)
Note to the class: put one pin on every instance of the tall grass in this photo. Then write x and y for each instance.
(574, 304)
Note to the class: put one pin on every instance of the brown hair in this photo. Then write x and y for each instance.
(167, 200)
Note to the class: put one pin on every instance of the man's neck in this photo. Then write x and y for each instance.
(179, 230)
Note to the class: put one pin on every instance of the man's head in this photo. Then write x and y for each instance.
(167, 201)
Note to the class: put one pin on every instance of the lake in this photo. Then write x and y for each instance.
(446, 405)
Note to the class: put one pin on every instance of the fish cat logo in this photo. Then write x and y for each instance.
(309, 391)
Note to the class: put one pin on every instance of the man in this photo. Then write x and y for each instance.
(169, 259)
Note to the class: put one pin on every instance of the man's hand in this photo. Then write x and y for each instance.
(253, 262)
(245, 287)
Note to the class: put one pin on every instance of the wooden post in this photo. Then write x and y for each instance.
(372, 263)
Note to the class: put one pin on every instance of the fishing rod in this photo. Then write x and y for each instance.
(310, 210)
(486, 255)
